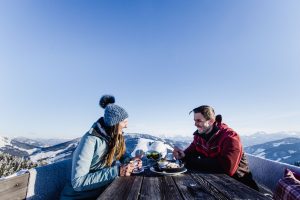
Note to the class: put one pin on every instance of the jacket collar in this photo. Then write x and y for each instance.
(98, 130)
(209, 135)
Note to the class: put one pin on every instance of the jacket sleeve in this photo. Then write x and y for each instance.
(231, 153)
(82, 179)
(192, 148)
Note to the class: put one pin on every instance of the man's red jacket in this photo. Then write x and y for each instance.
(222, 151)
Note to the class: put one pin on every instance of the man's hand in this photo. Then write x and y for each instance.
(178, 153)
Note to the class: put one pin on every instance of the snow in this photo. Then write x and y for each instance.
(18, 173)
(285, 157)
(4, 141)
(260, 152)
(29, 151)
(49, 154)
(278, 144)
(292, 151)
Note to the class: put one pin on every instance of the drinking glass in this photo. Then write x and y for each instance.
(169, 157)
(152, 158)
(139, 153)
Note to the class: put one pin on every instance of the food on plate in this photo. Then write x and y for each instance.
(162, 163)
(168, 165)
(172, 165)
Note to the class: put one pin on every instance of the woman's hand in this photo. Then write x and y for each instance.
(126, 170)
(138, 163)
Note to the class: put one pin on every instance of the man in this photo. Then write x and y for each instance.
(216, 148)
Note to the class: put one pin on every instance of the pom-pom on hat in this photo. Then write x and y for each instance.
(113, 114)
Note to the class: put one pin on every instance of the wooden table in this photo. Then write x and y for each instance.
(190, 185)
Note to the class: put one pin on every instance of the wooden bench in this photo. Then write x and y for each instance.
(14, 188)
(41, 183)
(268, 172)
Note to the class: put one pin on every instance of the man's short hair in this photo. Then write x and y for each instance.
(207, 111)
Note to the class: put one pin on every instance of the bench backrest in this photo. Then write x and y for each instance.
(268, 172)
(48, 181)
(14, 188)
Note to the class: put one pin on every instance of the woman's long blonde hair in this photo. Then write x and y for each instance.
(116, 146)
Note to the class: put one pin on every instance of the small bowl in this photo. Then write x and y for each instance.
(162, 163)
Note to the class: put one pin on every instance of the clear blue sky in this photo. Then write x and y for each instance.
(160, 59)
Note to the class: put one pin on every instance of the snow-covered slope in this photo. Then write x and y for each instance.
(16, 148)
(286, 150)
(40, 142)
(4, 141)
(263, 137)
(55, 153)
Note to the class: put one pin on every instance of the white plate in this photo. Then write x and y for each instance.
(138, 171)
(167, 173)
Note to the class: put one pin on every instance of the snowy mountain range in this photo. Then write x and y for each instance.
(263, 137)
(40, 142)
(36, 150)
(55, 153)
(284, 150)
(16, 148)
(64, 150)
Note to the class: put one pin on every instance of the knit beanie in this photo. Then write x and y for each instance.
(113, 114)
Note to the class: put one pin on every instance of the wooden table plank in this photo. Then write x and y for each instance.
(134, 192)
(169, 189)
(120, 187)
(210, 188)
(160, 187)
(15, 187)
(225, 187)
(150, 188)
(190, 189)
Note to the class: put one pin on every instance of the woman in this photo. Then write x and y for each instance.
(96, 159)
